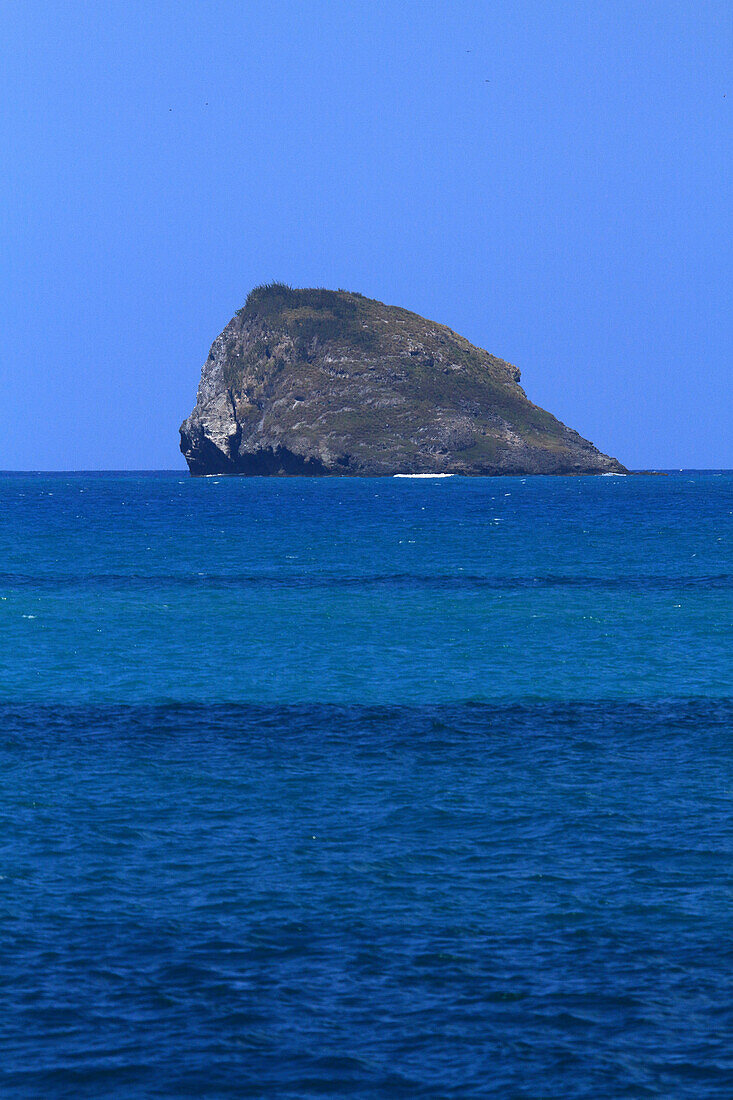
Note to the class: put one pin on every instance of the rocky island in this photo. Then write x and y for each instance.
(330, 382)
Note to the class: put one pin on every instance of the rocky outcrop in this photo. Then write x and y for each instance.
(331, 383)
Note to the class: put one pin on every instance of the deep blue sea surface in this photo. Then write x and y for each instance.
(366, 788)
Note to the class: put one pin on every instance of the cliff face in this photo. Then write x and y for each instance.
(327, 382)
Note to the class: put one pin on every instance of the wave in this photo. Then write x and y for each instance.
(452, 581)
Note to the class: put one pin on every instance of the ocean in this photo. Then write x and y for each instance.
(366, 788)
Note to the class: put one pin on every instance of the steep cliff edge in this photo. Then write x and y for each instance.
(329, 382)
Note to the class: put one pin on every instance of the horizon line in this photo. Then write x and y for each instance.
(179, 471)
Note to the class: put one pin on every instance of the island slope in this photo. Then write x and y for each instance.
(317, 381)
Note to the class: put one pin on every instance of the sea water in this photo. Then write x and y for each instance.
(366, 787)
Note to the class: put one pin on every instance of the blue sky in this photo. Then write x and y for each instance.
(550, 179)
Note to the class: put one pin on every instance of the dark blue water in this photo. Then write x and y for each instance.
(366, 788)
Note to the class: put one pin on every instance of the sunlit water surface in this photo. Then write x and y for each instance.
(366, 788)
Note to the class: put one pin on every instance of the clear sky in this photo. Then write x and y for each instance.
(550, 178)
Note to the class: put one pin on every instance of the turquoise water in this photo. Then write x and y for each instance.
(367, 788)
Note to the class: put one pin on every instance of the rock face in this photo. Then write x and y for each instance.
(328, 382)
